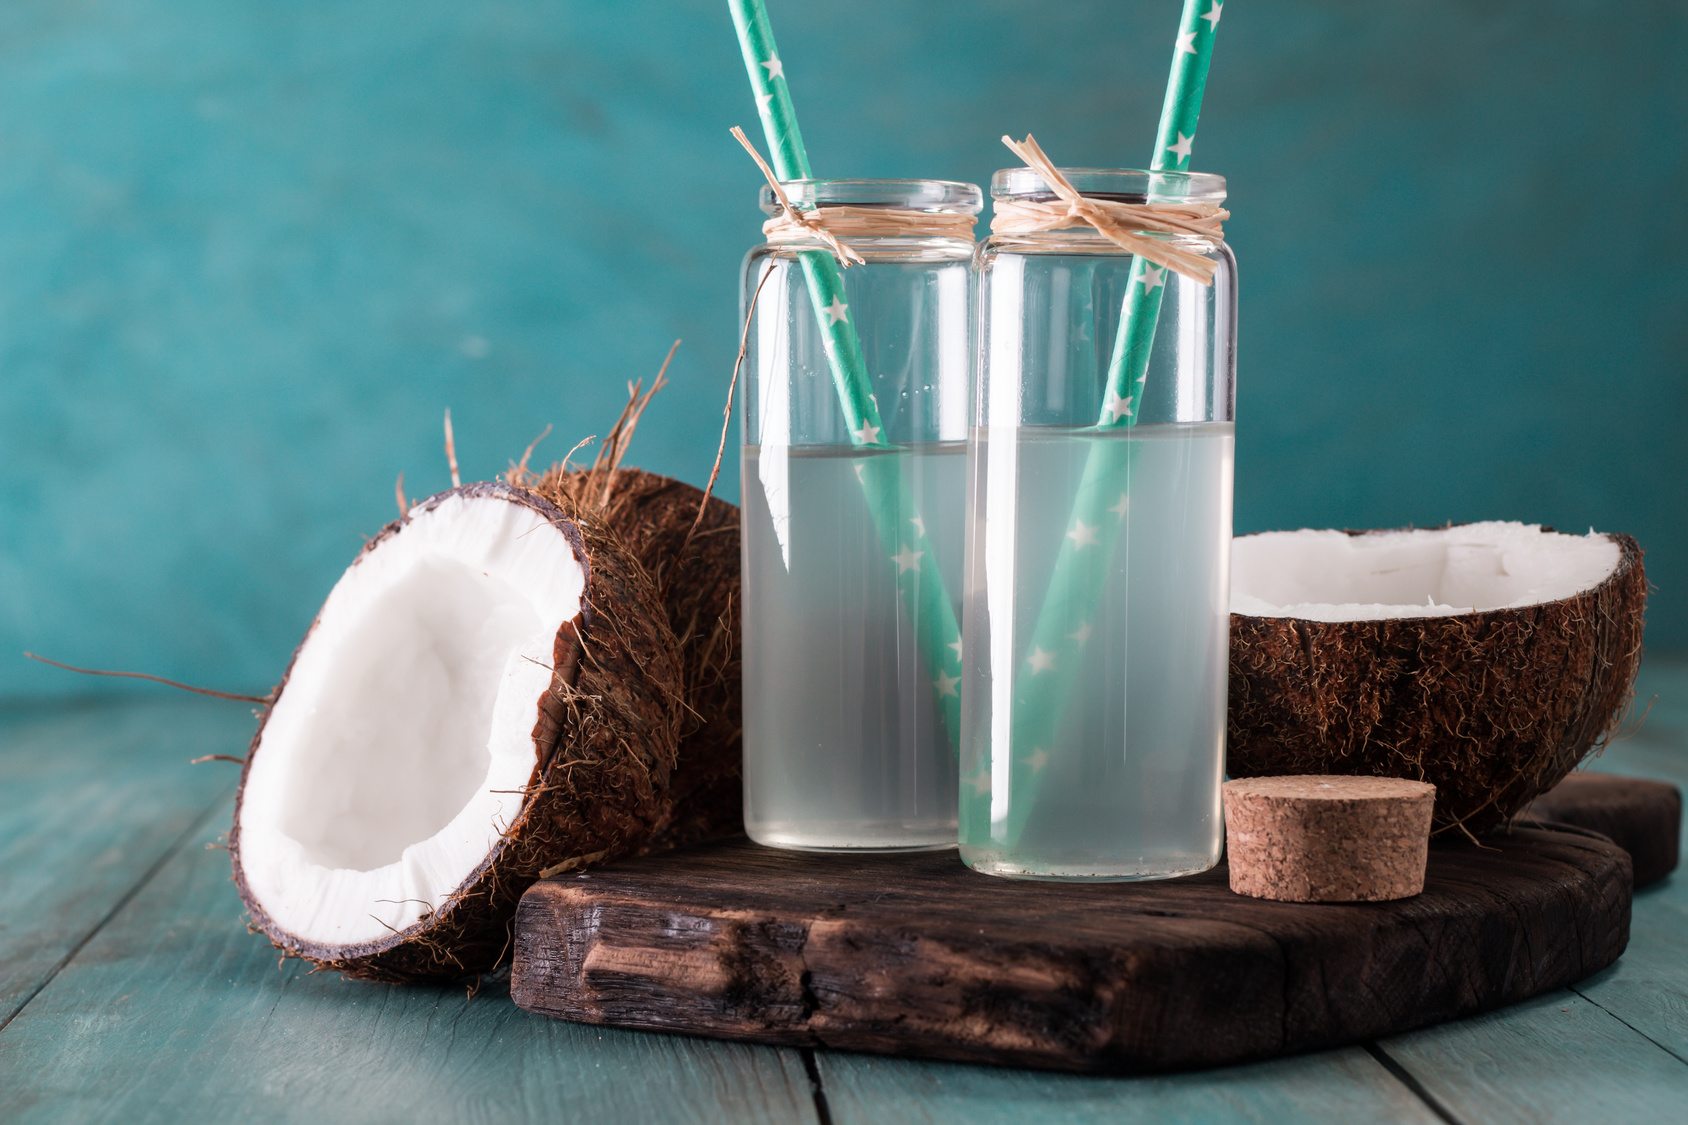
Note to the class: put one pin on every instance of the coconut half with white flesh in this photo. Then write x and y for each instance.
(490, 692)
(1486, 658)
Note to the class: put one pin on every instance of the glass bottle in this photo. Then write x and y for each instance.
(1096, 604)
(852, 532)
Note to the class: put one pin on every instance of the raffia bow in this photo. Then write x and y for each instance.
(1127, 225)
(830, 225)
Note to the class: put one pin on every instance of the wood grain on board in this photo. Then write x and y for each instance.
(914, 955)
(1642, 817)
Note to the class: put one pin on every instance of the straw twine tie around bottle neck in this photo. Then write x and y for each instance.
(1130, 226)
(831, 224)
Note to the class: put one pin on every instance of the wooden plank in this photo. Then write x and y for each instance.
(1341, 1085)
(187, 1041)
(914, 955)
(1645, 988)
(1654, 741)
(174, 1012)
(93, 795)
(1648, 987)
(1556, 1058)
(1613, 1047)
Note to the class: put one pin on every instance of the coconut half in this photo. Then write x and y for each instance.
(1486, 658)
(489, 692)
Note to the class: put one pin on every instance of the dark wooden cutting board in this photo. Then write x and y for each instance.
(914, 955)
(1642, 817)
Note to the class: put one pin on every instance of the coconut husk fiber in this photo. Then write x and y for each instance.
(1493, 708)
(688, 541)
(694, 563)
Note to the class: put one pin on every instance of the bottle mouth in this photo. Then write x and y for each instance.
(1119, 185)
(938, 197)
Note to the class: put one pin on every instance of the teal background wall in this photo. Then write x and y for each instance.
(249, 252)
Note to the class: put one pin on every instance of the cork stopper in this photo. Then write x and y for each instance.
(1325, 838)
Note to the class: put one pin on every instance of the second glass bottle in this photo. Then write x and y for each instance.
(1099, 546)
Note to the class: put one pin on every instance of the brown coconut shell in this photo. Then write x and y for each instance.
(1492, 708)
(694, 562)
(605, 738)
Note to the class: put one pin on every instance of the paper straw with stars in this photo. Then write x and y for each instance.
(897, 521)
(1128, 367)
(1102, 501)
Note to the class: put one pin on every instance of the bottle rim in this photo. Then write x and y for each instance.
(1122, 185)
(939, 197)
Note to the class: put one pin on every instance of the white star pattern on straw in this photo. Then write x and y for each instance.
(956, 645)
(1040, 661)
(1116, 407)
(1080, 635)
(868, 434)
(1182, 148)
(861, 471)
(1122, 505)
(836, 311)
(1082, 535)
(762, 101)
(1153, 277)
(907, 559)
(1186, 43)
(776, 69)
(980, 783)
(1212, 16)
(946, 684)
(918, 524)
(1037, 759)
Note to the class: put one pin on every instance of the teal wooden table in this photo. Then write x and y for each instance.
(130, 990)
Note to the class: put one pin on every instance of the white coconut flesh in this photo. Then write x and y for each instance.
(1440, 572)
(401, 743)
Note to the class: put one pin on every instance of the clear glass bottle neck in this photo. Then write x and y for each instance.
(1123, 185)
(937, 197)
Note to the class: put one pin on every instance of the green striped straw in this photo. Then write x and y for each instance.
(1129, 365)
(1103, 497)
(901, 529)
